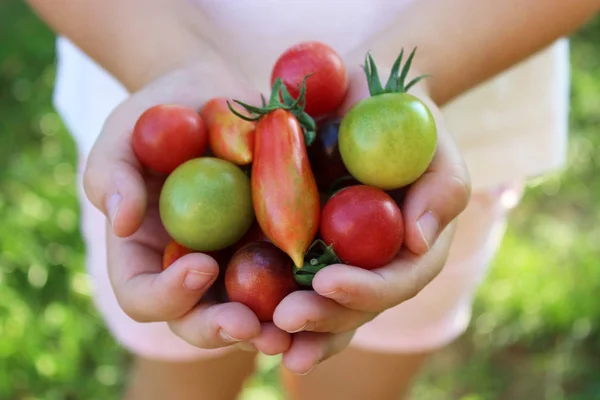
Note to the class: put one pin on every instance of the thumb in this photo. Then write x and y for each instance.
(112, 179)
(438, 196)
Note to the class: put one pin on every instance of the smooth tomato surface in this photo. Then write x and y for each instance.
(364, 226)
(388, 141)
(206, 204)
(259, 275)
(167, 135)
(284, 191)
(229, 137)
(328, 84)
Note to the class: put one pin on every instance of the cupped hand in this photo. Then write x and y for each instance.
(116, 184)
(346, 297)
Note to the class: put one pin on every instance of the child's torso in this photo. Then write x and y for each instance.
(256, 32)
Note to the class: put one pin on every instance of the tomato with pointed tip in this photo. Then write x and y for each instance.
(327, 86)
(364, 226)
(167, 135)
(260, 275)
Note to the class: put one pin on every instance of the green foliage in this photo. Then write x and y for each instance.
(535, 327)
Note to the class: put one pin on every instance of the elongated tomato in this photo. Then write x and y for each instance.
(229, 137)
(284, 190)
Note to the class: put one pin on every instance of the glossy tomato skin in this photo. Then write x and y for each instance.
(259, 275)
(206, 204)
(167, 135)
(388, 141)
(324, 155)
(285, 196)
(229, 137)
(364, 226)
(328, 84)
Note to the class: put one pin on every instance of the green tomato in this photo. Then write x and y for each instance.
(388, 140)
(206, 204)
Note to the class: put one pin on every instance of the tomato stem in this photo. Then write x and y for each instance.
(396, 82)
(282, 99)
(318, 256)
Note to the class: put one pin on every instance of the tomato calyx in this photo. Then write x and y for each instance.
(396, 82)
(282, 99)
(318, 256)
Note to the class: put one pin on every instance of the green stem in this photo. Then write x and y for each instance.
(318, 256)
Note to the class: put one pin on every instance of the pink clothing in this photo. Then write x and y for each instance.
(435, 317)
(508, 129)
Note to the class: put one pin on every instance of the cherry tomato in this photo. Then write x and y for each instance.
(328, 84)
(167, 135)
(364, 226)
(229, 137)
(324, 155)
(388, 140)
(259, 276)
(206, 204)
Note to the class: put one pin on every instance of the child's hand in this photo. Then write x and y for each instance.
(115, 184)
(347, 297)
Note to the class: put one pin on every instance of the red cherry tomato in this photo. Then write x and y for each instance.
(328, 84)
(364, 226)
(260, 275)
(165, 136)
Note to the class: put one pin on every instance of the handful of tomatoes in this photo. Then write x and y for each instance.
(275, 192)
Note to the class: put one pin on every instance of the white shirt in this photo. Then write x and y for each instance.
(509, 128)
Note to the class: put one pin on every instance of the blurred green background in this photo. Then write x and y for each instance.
(535, 332)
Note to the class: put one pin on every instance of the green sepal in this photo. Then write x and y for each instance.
(318, 256)
(396, 82)
(281, 99)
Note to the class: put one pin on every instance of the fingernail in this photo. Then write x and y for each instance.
(337, 295)
(112, 207)
(307, 372)
(246, 346)
(428, 227)
(226, 337)
(308, 326)
(196, 280)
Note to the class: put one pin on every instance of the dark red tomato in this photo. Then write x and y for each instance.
(328, 84)
(167, 135)
(324, 155)
(259, 276)
(364, 226)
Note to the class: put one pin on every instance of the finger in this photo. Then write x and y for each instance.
(438, 196)
(308, 311)
(144, 291)
(379, 289)
(272, 340)
(310, 348)
(113, 180)
(211, 326)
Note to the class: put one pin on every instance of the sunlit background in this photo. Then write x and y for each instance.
(535, 332)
